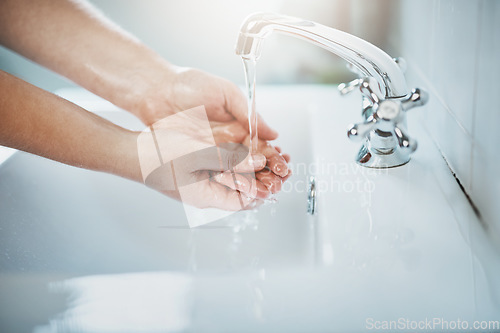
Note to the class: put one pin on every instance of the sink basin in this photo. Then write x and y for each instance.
(85, 251)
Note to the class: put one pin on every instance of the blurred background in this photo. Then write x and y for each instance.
(202, 34)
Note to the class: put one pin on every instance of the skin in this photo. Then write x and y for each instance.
(75, 40)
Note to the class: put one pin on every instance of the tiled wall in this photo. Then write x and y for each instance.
(453, 50)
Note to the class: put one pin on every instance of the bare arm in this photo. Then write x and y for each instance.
(75, 40)
(41, 123)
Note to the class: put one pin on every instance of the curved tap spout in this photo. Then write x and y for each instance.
(367, 58)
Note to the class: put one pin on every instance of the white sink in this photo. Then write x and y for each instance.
(392, 248)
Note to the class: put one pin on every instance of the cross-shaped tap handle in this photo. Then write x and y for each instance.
(387, 115)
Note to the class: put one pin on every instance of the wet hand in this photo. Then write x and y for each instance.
(188, 88)
(276, 171)
(208, 165)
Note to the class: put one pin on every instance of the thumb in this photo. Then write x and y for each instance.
(236, 105)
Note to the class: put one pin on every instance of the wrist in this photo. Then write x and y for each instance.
(152, 92)
(139, 82)
(125, 161)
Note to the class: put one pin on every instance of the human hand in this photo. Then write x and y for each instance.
(185, 88)
(208, 165)
(276, 171)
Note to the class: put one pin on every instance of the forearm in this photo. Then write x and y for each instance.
(41, 123)
(75, 40)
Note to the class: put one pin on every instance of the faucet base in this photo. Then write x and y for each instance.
(373, 158)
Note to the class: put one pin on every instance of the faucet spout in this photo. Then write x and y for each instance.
(366, 57)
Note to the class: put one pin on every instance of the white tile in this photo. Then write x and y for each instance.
(417, 32)
(453, 56)
(453, 141)
(487, 119)
(434, 34)
(486, 187)
(486, 160)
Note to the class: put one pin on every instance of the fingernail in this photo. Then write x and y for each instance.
(258, 161)
(280, 169)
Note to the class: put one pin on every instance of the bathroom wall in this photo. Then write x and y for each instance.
(453, 49)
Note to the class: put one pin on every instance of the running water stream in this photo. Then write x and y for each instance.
(250, 66)
(250, 80)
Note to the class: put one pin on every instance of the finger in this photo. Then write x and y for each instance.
(229, 199)
(228, 156)
(284, 179)
(270, 180)
(238, 182)
(209, 194)
(225, 198)
(236, 104)
(231, 131)
(246, 183)
(251, 163)
(275, 162)
(286, 157)
(254, 204)
(278, 149)
(262, 191)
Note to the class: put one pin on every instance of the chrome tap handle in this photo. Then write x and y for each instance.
(404, 141)
(370, 89)
(345, 88)
(386, 143)
(387, 115)
(418, 97)
(359, 131)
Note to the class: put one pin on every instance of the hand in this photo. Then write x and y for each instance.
(208, 165)
(188, 88)
(276, 171)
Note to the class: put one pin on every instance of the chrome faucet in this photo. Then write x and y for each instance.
(382, 82)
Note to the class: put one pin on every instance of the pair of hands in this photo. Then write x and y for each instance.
(108, 61)
(206, 162)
